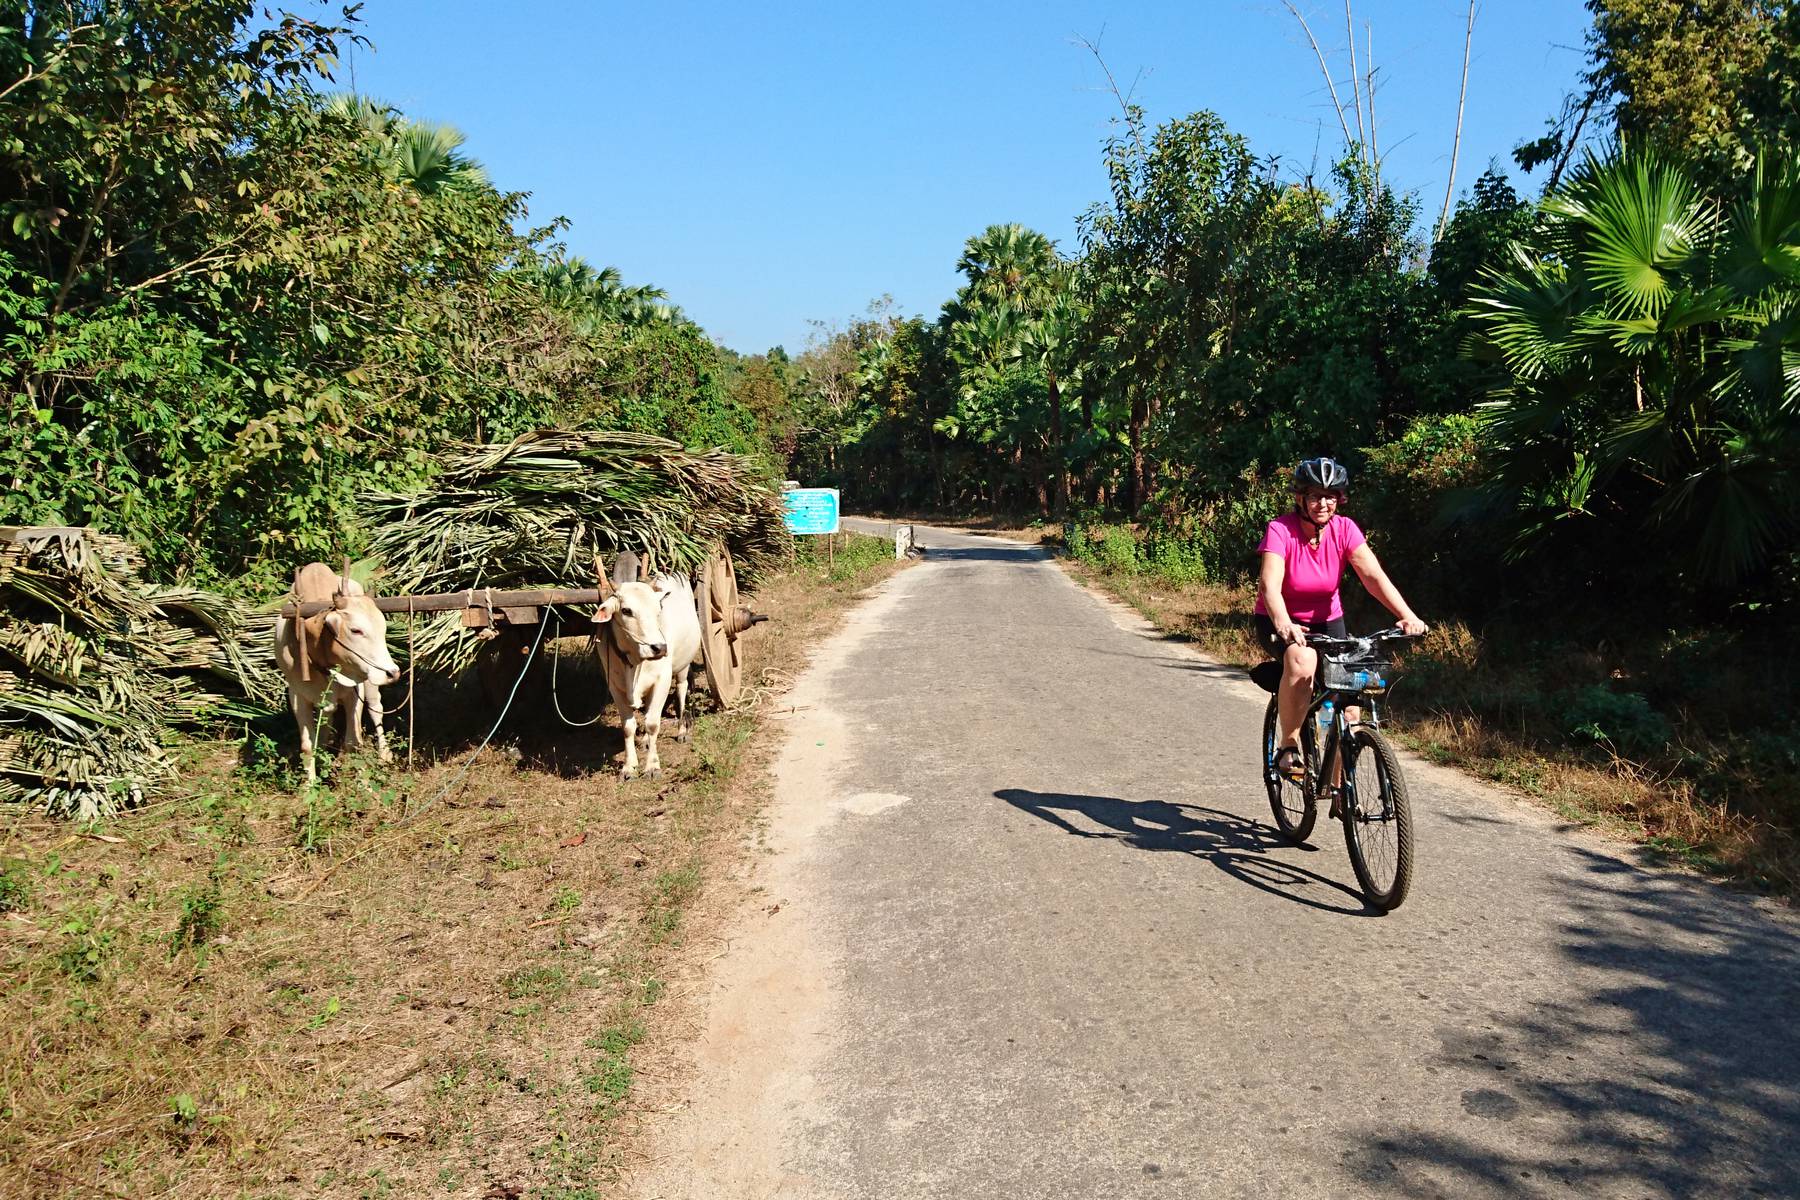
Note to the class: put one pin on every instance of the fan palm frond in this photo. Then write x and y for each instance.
(1644, 220)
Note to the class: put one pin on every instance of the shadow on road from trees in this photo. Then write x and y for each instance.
(994, 553)
(1229, 842)
(1674, 1072)
(1212, 670)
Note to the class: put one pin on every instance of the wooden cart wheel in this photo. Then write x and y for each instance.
(716, 599)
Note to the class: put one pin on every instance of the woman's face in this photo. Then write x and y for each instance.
(1319, 505)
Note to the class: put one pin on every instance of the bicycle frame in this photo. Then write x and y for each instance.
(1337, 737)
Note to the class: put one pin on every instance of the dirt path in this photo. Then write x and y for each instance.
(1034, 937)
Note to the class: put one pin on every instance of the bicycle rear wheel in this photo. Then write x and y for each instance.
(1377, 820)
(1295, 805)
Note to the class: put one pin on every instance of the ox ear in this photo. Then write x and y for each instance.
(334, 620)
(605, 612)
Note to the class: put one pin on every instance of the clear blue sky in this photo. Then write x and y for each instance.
(767, 164)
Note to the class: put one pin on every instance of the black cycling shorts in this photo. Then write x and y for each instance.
(1274, 647)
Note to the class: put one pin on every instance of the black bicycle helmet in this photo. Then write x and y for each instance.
(1327, 474)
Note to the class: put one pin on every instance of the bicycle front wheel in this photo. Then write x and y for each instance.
(1377, 820)
(1295, 805)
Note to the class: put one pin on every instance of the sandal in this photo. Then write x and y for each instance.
(1289, 765)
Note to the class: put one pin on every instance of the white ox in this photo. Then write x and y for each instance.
(346, 650)
(649, 635)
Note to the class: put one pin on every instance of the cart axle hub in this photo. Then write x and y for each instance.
(743, 619)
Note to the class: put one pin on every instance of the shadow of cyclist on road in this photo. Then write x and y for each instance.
(1237, 846)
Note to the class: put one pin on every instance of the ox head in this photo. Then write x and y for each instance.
(634, 611)
(354, 638)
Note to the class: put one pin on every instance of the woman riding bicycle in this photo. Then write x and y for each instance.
(1303, 555)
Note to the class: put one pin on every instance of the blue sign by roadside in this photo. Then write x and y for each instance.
(811, 510)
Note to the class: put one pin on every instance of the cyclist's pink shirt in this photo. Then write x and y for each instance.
(1310, 587)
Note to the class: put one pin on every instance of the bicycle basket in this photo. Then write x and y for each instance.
(1362, 673)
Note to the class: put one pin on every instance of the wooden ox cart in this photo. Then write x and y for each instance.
(723, 621)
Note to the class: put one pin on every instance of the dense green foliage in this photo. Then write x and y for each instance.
(229, 301)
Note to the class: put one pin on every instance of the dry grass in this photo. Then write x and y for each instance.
(1708, 810)
(448, 1005)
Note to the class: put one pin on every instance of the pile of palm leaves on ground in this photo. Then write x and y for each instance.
(99, 668)
(534, 513)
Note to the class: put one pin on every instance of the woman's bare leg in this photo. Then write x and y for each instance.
(1298, 666)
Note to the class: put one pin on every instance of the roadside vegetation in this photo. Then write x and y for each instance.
(403, 982)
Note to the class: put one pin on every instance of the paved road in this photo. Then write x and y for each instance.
(1049, 947)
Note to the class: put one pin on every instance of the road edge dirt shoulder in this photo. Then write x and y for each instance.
(761, 1006)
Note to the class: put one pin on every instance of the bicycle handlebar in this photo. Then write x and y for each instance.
(1324, 642)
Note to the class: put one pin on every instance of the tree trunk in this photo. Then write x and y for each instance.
(1134, 438)
(1059, 473)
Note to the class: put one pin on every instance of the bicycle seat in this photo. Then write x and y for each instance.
(1267, 676)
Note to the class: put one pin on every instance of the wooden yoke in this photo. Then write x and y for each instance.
(304, 654)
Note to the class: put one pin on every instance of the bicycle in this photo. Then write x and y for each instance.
(1369, 793)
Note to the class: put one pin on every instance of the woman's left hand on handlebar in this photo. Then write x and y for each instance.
(1412, 626)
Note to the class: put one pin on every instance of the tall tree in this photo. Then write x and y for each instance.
(1164, 271)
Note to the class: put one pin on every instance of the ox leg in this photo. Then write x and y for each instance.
(305, 712)
(681, 716)
(628, 724)
(372, 701)
(653, 712)
(351, 701)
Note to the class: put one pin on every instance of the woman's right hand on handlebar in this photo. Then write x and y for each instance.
(1292, 634)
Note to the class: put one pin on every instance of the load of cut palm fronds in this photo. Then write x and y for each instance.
(534, 512)
(100, 667)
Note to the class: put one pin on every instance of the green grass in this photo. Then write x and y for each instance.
(16, 886)
(840, 557)
(530, 983)
(609, 1076)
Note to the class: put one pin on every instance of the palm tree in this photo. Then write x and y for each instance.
(423, 154)
(428, 156)
(1048, 341)
(1652, 335)
(995, 330)
(599, 296)
(1006, 263)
